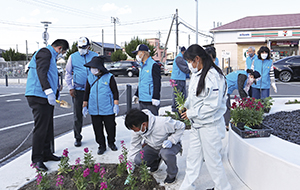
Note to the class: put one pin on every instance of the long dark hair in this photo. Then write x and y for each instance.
(264, 49)
(207, 62)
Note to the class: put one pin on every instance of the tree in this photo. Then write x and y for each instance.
(72, 50)
(118, 56)
(135, 41)
(12, 55)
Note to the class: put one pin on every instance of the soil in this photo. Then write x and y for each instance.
(117, 183)
(286, 125)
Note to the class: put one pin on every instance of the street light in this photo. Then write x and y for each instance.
(196, 21)
(45, 34)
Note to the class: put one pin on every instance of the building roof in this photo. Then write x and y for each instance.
(107, 45)
(262, 22)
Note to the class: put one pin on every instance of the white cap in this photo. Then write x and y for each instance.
(83, 42)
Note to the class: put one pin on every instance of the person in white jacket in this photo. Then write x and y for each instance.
(161, 137)
(206, 104)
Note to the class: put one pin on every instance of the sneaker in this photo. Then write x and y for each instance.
(77, 143)
(113, 147)
(169, 180)
(211, 189)
(101, 150)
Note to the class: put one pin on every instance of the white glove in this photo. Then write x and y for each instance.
(274, 87)
(135, 99)
(167, 144)
(84, 111)
(155, 102)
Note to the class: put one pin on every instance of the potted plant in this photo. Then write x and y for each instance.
(247, 116)
(267, 103)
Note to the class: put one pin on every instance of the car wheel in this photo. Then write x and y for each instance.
(285, 76)
(116, 75)
(129, 73)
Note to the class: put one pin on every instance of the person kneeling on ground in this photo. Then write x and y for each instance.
(161, 137)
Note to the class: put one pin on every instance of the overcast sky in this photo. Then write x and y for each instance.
(20, 20)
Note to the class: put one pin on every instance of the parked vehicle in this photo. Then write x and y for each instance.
(287, 68)
(129, 68)
(60, 70)
(168, 67)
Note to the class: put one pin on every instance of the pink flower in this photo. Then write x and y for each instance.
(39, 178)
(33, 165)
(97, 168)
(102, 172)
(142, 154)
(103, 185)
(59, 180)
(65, 153)
(86, 172)
(122, 142)
(77, 161)
(121, 158)
(86, 150)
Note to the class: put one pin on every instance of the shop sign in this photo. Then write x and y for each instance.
(245, 54)
(284, 33)
(226, 54)
(244, 34)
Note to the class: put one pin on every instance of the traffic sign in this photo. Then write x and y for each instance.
(45, 36)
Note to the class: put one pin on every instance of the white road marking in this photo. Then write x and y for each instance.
(13, 100)
(5, 95)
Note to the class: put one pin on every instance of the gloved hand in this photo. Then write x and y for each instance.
(84, 111)
(129, 175)
(135, 99)
(116, 109)
(155, 102)
(274, 87)
(167, 144)
(51, 99)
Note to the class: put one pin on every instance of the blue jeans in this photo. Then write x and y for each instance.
(260, 93)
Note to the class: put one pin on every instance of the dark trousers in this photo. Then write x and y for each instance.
(43, 128)
(148, 105)
(181, 87)
(227, 113)
(77, 110)
(153, 156)
(110, 127)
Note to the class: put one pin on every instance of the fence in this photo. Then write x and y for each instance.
(13, 69)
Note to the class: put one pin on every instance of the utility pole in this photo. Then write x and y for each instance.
(196, 21)
(115, 20)
(102, 50)
(17, 48)
(159, 36)
(176, 31)
(45, 34)
(162, 57)
(26, 51)
(189, 40)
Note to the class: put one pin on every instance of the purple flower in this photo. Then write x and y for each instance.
(59, 180)
(121, 158)
(33, 165)
(86, 172)
(129, 165)
(77, 161)
(65, 153)
(86, 150)
(97, 168)
(103, 185)
(39, 178)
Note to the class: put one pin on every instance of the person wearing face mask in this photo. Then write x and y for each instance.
(206, 105)
(161, 136)
(239, 80)
(179, 74)
(250, 63)
(148, 90)
(101, 100)
(42, 90)
(76, 76)
(264, 65)
(212, 52)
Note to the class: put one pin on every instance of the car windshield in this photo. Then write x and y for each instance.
(118, 64)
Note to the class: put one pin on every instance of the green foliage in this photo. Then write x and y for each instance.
(248, 111)
(122, 166)
(12, 55)
(43, 182)
(135, 41)
(176, 117)
(64, 166)
(293, 102)
(73, 49)
(145, 176)
(268, 102)
(88, 159)
(118, 56)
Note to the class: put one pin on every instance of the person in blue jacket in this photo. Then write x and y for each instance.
(239, 80)
(250, 63)
(42, 90)
(76, 76)
(212, 52)
(101, 100)
(179, 74)
(264, 65)
(148, 90)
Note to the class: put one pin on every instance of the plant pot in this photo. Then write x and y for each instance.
(265, 131)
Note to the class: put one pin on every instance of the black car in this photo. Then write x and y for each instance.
(287, 68)
(129, 68)
(162, 68)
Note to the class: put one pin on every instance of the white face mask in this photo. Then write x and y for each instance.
(82, 51)
(138, 58)
(59, 55)
(140, 132)
(194, 70)
(264, 55)
(94, 71)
